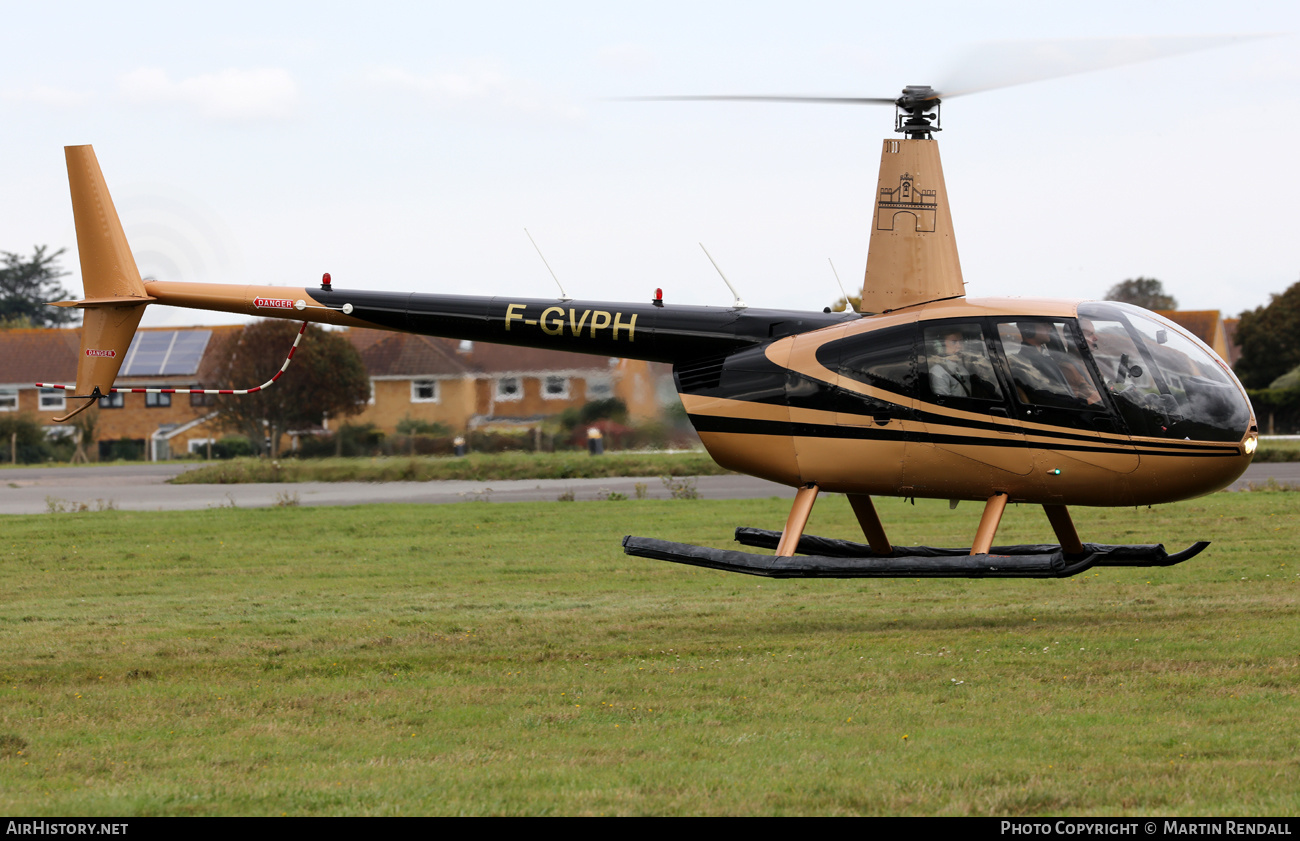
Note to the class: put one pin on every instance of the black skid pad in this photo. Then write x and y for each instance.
(830, 558)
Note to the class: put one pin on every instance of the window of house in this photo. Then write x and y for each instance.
(599, 388)
(8, 399)
(510, 388)
(556, 388)
(113, 400)
(198, 398)
(157, 401)
(53, 400)
(424, 391)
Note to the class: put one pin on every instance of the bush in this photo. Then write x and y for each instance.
(499, 442)
(409, 426)
(23, 437)
(232, 446)
(351, 439)
(1276, 409)
(123, 449)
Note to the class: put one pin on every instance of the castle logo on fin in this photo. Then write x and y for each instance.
(904, 205)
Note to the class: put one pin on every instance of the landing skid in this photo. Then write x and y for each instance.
(830, 558)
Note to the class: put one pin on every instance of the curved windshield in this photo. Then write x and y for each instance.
(1165, 382)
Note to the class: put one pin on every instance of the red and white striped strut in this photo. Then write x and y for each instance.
(253, 390)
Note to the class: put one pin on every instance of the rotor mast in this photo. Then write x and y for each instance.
(912, 257)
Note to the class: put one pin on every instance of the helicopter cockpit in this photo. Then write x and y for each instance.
(1164, 382)
(1115, 368)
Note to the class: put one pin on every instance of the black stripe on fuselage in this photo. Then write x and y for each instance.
(799, 429)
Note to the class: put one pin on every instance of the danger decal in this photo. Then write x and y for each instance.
(273, 303)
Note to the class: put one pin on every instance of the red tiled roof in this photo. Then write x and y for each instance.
(388, 354)
(1200, 323)
(1230, 337)
(49, 355)
(500, 359)
(399, 354)
(218, 351)
(362, 338)
(32, 355)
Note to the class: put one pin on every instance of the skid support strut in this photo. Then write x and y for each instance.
(870, 522)
(794, 524)
(1059, 517)
(989, 524)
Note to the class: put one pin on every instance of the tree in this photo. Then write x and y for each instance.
(1146, 292)
(1270, 339)
(26, 288)
(326, 377)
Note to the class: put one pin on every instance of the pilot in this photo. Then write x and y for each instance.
(1107, 348)
(949, 376)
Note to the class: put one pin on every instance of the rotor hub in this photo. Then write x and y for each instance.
(917, 112)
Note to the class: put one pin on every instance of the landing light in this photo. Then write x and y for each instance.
(1251, 443)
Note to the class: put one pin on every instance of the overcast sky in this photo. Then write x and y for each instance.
(407, 145)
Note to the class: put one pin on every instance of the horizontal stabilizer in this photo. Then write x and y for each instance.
(86, 303)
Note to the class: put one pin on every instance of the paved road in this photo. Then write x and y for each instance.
(144, 487)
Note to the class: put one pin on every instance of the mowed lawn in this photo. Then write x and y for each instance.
(488, 658)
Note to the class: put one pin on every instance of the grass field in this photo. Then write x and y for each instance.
(508, 659)
(1274, 449)
(476, 467)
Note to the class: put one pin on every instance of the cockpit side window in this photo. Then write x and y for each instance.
(958, 371)
(1164, 382)
(1046, 365)
(885, 359)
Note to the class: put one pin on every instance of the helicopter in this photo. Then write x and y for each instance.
(923, 393)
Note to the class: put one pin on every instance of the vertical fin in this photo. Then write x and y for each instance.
(115, 295)
(912, 257)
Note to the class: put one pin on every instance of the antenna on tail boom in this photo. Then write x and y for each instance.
(738, 304)
(564, 296)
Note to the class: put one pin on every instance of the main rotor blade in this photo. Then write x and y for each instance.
(1004, 64)
(836, 100)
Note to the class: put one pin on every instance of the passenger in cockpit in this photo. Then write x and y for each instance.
(1049, 376)
(949, 377)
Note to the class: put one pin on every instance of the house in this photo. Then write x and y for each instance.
(1209, 327)
(156, 426)
(474, 385)
(465, 385)
(1230, 334)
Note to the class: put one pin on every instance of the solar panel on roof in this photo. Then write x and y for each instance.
(165, 353)
(187, 352)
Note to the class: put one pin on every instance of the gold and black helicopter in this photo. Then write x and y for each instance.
(924, 393)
